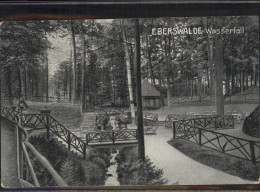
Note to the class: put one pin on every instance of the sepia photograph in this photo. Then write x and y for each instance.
(130, 102)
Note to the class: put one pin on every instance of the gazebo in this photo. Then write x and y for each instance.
(150, 96)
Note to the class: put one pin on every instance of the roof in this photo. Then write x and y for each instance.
(148, 89)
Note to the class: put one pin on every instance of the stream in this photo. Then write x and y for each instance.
(111, 173)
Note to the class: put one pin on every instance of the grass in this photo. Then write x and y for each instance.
(228, 164)
(181, 109)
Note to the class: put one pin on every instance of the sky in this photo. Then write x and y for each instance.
(62, 47)
(60, 52)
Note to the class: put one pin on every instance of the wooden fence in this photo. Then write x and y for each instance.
(211, 98)
(25, 173)
(202, 134)
(203, 121)
(112, 137)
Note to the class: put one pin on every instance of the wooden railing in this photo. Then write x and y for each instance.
(209, 98)
(46, 121)
(202, 121)
(199, 98)
(25, 172)
(38, 98)
(197, 132)
(111, 137)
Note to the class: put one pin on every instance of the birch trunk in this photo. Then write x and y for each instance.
(128, 70)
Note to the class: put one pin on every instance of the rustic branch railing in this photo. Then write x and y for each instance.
(25, 173)
(202, 121)
(224, 143)
(205, 98)
(38, 98)
(111, 136)
(46, 121)
(200, 98)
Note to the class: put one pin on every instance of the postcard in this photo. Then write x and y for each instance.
(164, 101)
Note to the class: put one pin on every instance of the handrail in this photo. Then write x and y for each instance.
(24, 143)
(59, 181)
(208, 130)
(245, 147)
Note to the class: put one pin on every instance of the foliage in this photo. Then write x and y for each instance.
(129, 169)
(73, 169)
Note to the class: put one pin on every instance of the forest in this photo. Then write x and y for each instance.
(98, 69)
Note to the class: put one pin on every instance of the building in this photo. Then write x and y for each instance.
(150, 96)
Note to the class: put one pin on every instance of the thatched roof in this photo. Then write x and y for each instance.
(149, 90)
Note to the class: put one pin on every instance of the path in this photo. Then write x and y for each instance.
(179, 168)
(9, 177)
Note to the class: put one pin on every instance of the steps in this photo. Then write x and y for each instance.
(88, 122)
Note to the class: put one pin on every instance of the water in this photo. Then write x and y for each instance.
(112, 174)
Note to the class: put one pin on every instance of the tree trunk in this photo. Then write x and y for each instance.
(246, 80)
(219, 70)
(74, 73)
(150, 60)
(232, 83)
(241, 81)
(251, 79)
(70, 76)
(47, 72)
(83, 73)
(9, 85)
(210, 57)
(22, 83)
(168, 69)
(26, 87)
(128, 70)
(140, 128)
(227, 83)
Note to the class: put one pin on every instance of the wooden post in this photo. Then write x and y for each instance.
(174, 129)
(20, 153)
(85, 151)
(113, 136)
(69, 141)
(48, 127)
(252, 152)
(199, 136)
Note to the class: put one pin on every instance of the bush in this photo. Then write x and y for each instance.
(73, 169)
(132, 171)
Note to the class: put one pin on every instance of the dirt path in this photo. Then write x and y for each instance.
(8, 155)
(181, 169)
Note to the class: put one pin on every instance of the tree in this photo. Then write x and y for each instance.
(140, 127)
(219, 69)
(128, 68)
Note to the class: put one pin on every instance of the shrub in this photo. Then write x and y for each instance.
(132, 171)
(74, 170)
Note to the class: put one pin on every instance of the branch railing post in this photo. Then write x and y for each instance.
(113, 136)
(252, 152)
(174, 129)
(85, 151)
(69, 141)
(47, 115)
(48, 126)
(199, 136)
(87, 138)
